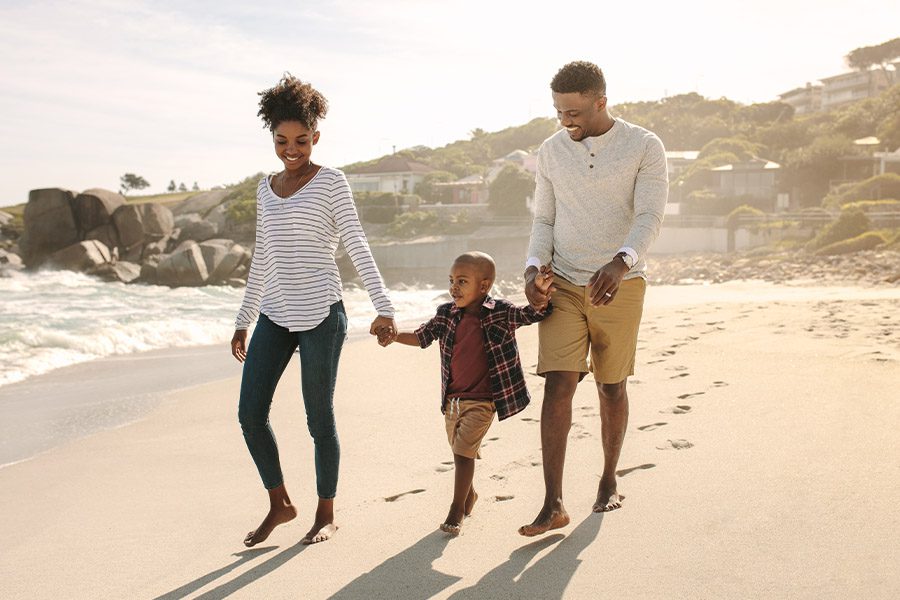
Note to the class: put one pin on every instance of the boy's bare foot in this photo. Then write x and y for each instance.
(277, 515)
(319, 533)
(607, 497)
(470, 502)
(547, 519)
(451, 528)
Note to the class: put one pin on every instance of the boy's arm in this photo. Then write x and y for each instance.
(408, 338)
(518, 316)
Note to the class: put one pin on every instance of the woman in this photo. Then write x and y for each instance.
(302, 213)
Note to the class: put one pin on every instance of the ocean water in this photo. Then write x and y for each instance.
(52, 319)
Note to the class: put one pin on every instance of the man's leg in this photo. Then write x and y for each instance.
(556, 420)
(614, 421)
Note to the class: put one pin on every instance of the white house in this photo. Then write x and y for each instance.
(392, 173)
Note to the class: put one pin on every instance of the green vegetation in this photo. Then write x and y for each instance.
(508, 192)
(240, 203)
(850, 224)
(865, 241)
(130, 181)
(412, 224)
(880, 186)
(741, 213)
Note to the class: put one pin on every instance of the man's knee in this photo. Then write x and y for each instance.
(612, 392)
(560, 386)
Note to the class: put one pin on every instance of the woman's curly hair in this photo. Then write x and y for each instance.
(580, 76)
(291, 100)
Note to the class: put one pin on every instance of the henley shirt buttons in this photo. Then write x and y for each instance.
(591, 166)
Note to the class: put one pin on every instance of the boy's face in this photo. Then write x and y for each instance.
(467, 284)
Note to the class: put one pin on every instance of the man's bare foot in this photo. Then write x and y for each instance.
(470, 502)
(546, 520)
(277, 515)
(608, 498)
(319, 533)
(453, 523)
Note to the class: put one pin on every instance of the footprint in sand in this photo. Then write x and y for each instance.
(624, 472)
(652, 426)
(494, 439)
(679, 375)
(503, 498)
(530, 420)
(398, 496)
(678, 410)
(676, 445)
(536, 463)
(677, 368)
(498, 477)
(719, 384)
(653, 362)
(667, 353)
(686, 396)
(443, 468)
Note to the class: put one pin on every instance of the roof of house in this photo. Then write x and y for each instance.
(758, 163)
(392, 164)
(683, 154)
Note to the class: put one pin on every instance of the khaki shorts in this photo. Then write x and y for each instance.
(574, 326)
(467, 422)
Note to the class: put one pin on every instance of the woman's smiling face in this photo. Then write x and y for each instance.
(293, 144)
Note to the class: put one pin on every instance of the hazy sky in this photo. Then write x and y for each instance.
(92, 89)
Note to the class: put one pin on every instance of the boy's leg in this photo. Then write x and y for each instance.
(320, 351)
(462, 489)
(271, 348)
(467, 423)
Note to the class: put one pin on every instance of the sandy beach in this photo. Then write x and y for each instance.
(761, 461)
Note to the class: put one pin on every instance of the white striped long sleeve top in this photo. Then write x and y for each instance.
(293, 277)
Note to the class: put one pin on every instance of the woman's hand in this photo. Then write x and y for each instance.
(239, 345)
(385, 328)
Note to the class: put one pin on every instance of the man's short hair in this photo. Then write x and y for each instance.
(580, 76)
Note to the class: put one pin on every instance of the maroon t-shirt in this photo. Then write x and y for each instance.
(469, 364)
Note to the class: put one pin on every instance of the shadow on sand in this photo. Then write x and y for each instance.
(548, 577)
(243, 580)
(405, 575)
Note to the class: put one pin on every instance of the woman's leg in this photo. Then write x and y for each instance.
(271, 348)
(320, 351)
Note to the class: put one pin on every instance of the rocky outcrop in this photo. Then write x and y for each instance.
(123, 271)
(49, 225)
(184, 267)
(223, 258)
(9, 262)
(202, 203)
(94, 208)
(81, 256)
(194, 227)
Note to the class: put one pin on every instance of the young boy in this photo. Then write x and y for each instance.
(480, 367)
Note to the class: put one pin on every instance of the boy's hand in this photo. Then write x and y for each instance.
(386, 335)
(538, 286)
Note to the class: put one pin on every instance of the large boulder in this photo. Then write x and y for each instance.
(183, 267)
(222, 257)
(94, 208)
(123, 271)
(82, 256)
(194, 227)
(49, 224)
(140, 224)
(108, 234)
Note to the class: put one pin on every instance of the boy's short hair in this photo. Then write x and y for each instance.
(580, 76)
(481, 261)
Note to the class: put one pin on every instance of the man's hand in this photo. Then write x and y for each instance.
(239, 345)
(385, 328)
(538, 286)
(604, 284)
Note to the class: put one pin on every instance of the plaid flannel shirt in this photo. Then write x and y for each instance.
(499, 321)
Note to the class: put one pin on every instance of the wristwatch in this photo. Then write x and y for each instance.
(626, 258)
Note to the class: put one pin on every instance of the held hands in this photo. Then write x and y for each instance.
(539, 286)
(239, 345)
(385, 328)
(604, 284)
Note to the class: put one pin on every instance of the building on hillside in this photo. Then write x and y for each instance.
(755, 179)
(804, 100)
(468, 190)
(856, 85)
(524, 160)
(392, 173)
(679, 161)
(869, 162)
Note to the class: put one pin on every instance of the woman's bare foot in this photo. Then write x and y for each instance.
(323, 527)
(607, 497)
(471, 499)
(549, 518)
(277, 515)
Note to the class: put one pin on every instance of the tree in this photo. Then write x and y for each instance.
(182, 187)
(430, 194)
(866, 57)
(196, 187)
(509, 191)
(172, 187)
(130, 181)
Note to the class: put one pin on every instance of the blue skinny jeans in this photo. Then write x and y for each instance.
(269, 353)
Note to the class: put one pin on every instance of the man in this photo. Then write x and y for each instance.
(599, 201)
